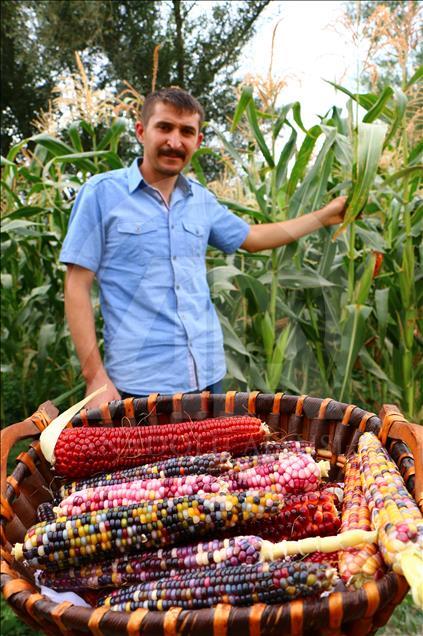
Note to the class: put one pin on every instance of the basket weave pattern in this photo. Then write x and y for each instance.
(333, 427)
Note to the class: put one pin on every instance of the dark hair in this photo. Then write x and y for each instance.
(174, 96)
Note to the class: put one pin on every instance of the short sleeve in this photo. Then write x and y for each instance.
(84, 241)
(228, 231)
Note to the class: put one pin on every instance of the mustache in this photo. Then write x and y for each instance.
(169, 152)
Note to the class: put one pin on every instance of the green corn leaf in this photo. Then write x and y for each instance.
(382, 312)
(268, 334)
(113, 134)
(274, 370)
(244, 100)
(369, 151)
(401, 102)
(199, 172)
(416, 153)
(258, 292)
(281, 119)
(365, 100)
(296, 110)
(237, 207)
(293, 279)
(372, 367)
(361, 292)
(53, 145)
(258, 135)
(302, 159)
(285, 156)
(234, 370)
(374, 112)
(418, 75)
(307, 196)
(73, 132)
(352, 339)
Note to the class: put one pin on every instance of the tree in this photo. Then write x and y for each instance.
(117, 40)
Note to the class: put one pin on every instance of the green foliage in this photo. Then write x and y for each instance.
(312, 317)
(316, 317)
(117, 41)
(38, 360)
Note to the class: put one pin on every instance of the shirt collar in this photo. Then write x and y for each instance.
(135, 179)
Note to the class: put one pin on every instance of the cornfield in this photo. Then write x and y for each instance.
(334, 313)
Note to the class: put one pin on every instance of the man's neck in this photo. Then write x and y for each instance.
(165, 185)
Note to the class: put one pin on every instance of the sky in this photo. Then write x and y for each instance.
(309, 47)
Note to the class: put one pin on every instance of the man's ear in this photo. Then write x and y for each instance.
(139, 131)
(200, 139)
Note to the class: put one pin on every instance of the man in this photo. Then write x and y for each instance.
(143, 232)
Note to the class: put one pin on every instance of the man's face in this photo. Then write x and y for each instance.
(169, 139)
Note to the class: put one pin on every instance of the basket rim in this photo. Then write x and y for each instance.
(374, 602)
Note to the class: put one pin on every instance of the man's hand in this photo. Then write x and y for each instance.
(334, 212)
(111, 393)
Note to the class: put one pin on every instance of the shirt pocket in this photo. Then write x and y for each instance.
(137, 240)
(194, 238)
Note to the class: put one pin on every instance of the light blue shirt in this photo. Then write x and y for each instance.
(161, 331)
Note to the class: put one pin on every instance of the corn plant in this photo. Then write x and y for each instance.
(40, 179)
(320, 316)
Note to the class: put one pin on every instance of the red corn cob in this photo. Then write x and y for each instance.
(363, 562)
(85, 451)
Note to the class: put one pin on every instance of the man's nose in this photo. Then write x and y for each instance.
(174, 139)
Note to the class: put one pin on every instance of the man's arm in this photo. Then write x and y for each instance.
(80, 317)
(266, 236)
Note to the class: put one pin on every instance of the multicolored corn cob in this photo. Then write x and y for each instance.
(394, 514)
(125, 494)
(84, 451)
(363, 562)
(103, 534)
(156, 564)
(290, 474)
(309, 514)
(274, 447)
(329, 558)
(235, 585)
(207, 464)
(45, 512)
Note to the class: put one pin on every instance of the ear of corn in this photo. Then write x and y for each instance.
(209, 463)
(156, 564)
(125, 494)
(394, 514)
(289, 474)
(235, 585)
(85, 451)
(363, 562)
(103, 534)
(308, 514)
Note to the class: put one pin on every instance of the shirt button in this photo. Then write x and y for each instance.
(177, 287)
(174, 258)
(172, 227)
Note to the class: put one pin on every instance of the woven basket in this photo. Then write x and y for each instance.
(333, 427)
